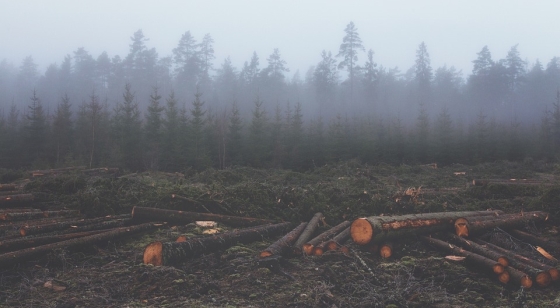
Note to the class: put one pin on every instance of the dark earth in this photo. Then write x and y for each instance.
(113, 274)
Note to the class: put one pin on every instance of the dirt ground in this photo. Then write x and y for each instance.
(113, 275)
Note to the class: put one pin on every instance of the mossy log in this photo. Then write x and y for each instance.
(382, 228)
(10, 199)
(33, 241)
(537, 241)
(8, 187)
(28, 253)
(481, 250)
(83, 224)
(308, 248)
(181, 217)
(339, 240)
(282, 245)
(35, 215)
(469, 226)
(541, 273)
(308, 232)
(472, 257)
(170, 253)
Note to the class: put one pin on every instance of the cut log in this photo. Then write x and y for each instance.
(528, 182)
(26, 242)
(308, 232)
(55, 171)
(8, 187)
(282, 245)
(310, 245)
(339, 240)
(469, 226)
(93, 224)
(386, 250)
(9, 199)
(170, 253)
(18, 210)
(516, 276)
(541, 273)
(35, 215)
(476, 248)
(97, 171)
(472, 257)
(180, 217)
(537, 241)
(28, 253)
(381, 228)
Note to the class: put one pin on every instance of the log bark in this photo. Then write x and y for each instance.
(94, 223)
(472, 257)
(470, 226)
(518, 277)
(28, 253)
(181, 217)
(381, 228)
(339, 240)
(9, 199)
(481, 250)
(307, 232)
(537, 241)
(26, 242)
(170, 253)
(282, 245)
(35, 215)
(541, 273)
(308, 248)
(8, 187)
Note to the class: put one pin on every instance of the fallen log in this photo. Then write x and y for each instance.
(339, 240)
(468, 226)
(308, 232)
(94, 223)
(55, 171)
(18, 210)
(96, 171)
(472, 257)
(480, 182)
(381, 228)
(169, 253)
(8, 187)
(34, 215)
(541, 273)
(28, 253)
(26, 242)
(308, 248)
(517, 276)
(481, 250)
(282, 245)
(181, 217)
(8, 199)
(537, 241)
(386, 250)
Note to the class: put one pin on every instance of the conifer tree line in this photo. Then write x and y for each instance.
(180, 112)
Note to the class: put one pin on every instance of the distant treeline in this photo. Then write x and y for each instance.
(144, 111)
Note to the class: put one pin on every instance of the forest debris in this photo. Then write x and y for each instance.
(282, 245)
(206, 223)
(54, 285)
(36, 173)
(460, 173)
(545, 253)
(8, 187)
(540, 241)
(16, 198)
(308, 232)
(476, 248)
(308, 247)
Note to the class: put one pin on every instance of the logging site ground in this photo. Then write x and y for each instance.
(112, 274)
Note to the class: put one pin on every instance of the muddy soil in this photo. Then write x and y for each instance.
(112, 274)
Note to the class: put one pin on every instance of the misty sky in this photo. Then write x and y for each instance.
(454, 31)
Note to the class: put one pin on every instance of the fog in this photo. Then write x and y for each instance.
(403, 64)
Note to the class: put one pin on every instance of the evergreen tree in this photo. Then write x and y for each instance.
(127, 128)
(515, 68)
(153, 131)
(325, 80)
(172, 142)
(370, 80)
(351, 45)
(423, 75)
(235, 137)
(198, 146)
(63, 130)
(444, 138)
(36, 130)
(258, 146)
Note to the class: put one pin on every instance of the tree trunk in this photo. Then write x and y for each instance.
(281, 246)
(34, 215)
(541, 273)
(24, 254)
(381, 228)
(470, 226)
(308, 232)
(95, 223)
(26, 242)
(9, 199)
(8, 187)
(472, 257)
(476, 248)
(180, 217)
(169, 253)
(308, 247)
(339, 240)
(540, 241)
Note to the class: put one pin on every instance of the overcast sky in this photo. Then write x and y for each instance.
(454, 31)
